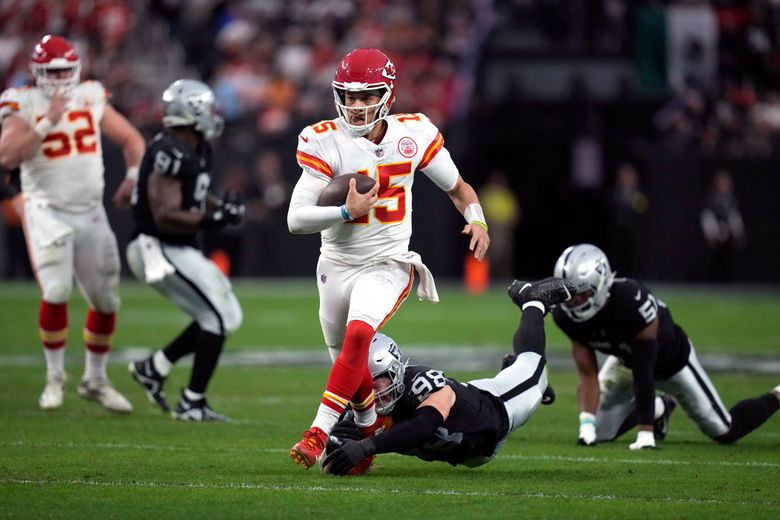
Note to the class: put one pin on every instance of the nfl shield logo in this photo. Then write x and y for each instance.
(323, 278)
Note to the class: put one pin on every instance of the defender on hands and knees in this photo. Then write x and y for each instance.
(366, 270)
(436, 418)
(52, 132)
(172, 205)
(645, 350)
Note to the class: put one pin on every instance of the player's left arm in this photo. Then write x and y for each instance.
(402, 437)
(466, 201)
(644, 350)
(117, 128)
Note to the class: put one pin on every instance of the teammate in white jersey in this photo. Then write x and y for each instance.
(365, 270)
(52, 132)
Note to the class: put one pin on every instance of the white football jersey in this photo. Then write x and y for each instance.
(412, 143)
(67, 169)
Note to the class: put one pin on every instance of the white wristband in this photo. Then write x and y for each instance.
(43, 126)
(474, 215)
(132, 173)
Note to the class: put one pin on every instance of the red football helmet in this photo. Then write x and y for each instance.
(363, 70)
(51, 56)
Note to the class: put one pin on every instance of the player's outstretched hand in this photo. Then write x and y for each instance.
(124, 193)
(358, 204)
(347, 456)
(480, 241)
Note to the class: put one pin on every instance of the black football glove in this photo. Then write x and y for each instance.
(230, 211)
(347, 456)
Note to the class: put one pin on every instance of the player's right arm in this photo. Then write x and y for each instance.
(19, 141)
(304, 215)
(588, 391)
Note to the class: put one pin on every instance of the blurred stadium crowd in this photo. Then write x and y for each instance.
(707, 78)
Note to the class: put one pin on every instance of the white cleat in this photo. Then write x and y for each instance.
(53, 392)
(101, 390)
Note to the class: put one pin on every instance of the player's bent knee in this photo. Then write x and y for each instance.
(107, 303)
(56, 292)
(232, 319)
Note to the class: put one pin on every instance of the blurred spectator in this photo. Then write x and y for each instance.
(629, 206)
(721, 222)
(503, 213)
(267, 197)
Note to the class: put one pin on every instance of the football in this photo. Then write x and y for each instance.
(335, 193)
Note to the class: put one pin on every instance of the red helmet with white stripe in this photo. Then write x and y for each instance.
(55, 65)
(365, 70)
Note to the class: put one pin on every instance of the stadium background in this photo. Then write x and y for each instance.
(556, 94)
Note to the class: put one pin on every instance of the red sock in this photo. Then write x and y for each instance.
(98, 330)
(364, 393)
(349, 369)
(53, 324)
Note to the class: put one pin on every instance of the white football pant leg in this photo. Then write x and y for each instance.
(617, 400)
(96, 261)
(334, 285)
(197, 287)
(698, 397)
(51, 258)
(379, 291)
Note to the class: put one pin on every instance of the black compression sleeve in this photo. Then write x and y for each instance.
(409, 434)
(643, 354)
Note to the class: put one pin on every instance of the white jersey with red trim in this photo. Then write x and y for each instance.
(412, 143)
(67, 169)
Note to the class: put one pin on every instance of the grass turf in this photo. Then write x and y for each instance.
(83, 462)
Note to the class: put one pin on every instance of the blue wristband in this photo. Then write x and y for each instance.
(344, 213)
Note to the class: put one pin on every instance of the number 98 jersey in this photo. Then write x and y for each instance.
(67, 169)
(473, 428)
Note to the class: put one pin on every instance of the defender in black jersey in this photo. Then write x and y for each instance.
(645, 350)
(436, 418)
(171, 205)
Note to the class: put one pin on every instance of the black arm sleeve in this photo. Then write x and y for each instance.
(409, 434)
(643, 354)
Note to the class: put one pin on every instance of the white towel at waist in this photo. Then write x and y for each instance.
(156, 267)
(426, 289)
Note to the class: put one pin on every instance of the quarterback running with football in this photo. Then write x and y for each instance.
(171, 206)
(645, 350)
(436, 418)
(365, 270)
(52, 131)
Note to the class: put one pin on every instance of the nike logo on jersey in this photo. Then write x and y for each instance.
(638, 295)
(305, 139)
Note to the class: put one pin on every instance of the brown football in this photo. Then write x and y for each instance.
(335, 193)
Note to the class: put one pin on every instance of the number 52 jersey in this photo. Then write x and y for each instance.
(412, 143)
(67, 169)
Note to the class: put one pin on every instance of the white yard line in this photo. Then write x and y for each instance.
(546, 458)
(368, 489)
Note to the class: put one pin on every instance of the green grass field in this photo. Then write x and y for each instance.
(82, 462)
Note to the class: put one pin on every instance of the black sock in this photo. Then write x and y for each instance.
(748, 415)
(529, 336)
(209, 347)
(183, 344)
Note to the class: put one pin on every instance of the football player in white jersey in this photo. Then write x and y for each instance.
(365, 270)
(52, 132)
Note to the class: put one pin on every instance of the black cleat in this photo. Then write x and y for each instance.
(549, 291)
(147, 376)
(661, 425)
(197, 411)
(548, 396)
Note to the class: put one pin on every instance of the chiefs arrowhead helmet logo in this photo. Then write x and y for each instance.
(389, 70)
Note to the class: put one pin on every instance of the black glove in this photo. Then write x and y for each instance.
(7, 191)
(347, 456)
(230, 211)
(345, 430)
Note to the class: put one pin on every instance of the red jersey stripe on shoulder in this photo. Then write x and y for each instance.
(431, 151)
(314, 163)
(13, 105)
